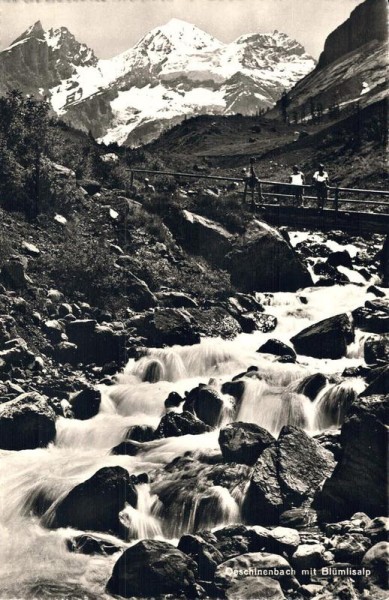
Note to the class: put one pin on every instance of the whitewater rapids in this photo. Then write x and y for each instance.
(34, 560)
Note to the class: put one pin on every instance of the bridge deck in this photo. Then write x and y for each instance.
(353, 221)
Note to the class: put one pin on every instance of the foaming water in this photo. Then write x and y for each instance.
(274, 408)
(332, 404)
(198, 491)
(140, 521)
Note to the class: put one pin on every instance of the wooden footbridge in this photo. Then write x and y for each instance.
(357, 211)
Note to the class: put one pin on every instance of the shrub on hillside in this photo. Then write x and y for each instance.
(82, 266)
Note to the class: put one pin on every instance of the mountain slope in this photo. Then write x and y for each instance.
(352, 67)
(174, 71)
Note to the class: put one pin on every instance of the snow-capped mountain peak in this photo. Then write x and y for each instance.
(178, 35)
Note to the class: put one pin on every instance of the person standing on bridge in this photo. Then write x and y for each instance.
(321, 182)
(297, 179)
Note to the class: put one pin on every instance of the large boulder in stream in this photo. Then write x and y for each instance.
(205, 402)
(311, 385)
(166, 327)
(259, 260)
(95, 504)
(200, 235)
(359, 481)
(176, 424)
(262, 260)
(26, 422)
(86, 403)
(264, 503)
(302, 465)
(276, 347)
(326, 339)
(153, 568)
(243, 442)
(376, 350)
(286, 475)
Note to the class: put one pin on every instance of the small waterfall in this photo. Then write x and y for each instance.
(333, 402)
(191, 510)
(274, 408)
(228, 411)
(139, 521)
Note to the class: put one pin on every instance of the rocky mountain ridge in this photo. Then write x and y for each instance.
(174, 71)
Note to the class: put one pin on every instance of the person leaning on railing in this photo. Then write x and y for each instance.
(321, 182)
(297, 179)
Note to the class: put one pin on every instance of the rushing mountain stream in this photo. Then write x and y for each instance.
(35, 559)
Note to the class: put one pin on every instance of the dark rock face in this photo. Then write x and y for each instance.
(364, 440)
(326, 339)
(276, 347)
(167, 326)
(264, 503)
(206, 404)
(350, 548)
(286, 475)
(378, 383)
(373, 317)
(140, 295)
(385, 262)
(90, 544)
(96, 343)
(15, 354)
(378, 530)
(127, 447)
(140, 433)
(302, 465)
(36, 60)
(177, 424)
(96, 503)
(86, 404)
(310, 386)
(353, 33)
(243, 442)
(340, 259)
(201, 236)
(261, 260)
(176, 300)
(26, 422)
(151, 568)
(206, 556)
(255, 321)
(90, 186)
(215, 321)
(13, 273)
(376, 351)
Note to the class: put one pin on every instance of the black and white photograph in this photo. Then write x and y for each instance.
(194, 300)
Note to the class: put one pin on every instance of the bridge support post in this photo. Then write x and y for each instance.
(132, 180)
(260, 191)
(336, 199)
(253, 206)
(245, 192)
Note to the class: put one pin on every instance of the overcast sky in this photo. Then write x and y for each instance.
(112, 26)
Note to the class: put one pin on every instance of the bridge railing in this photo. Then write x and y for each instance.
(260, 188)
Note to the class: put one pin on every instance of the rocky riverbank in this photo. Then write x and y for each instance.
(250, 465)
